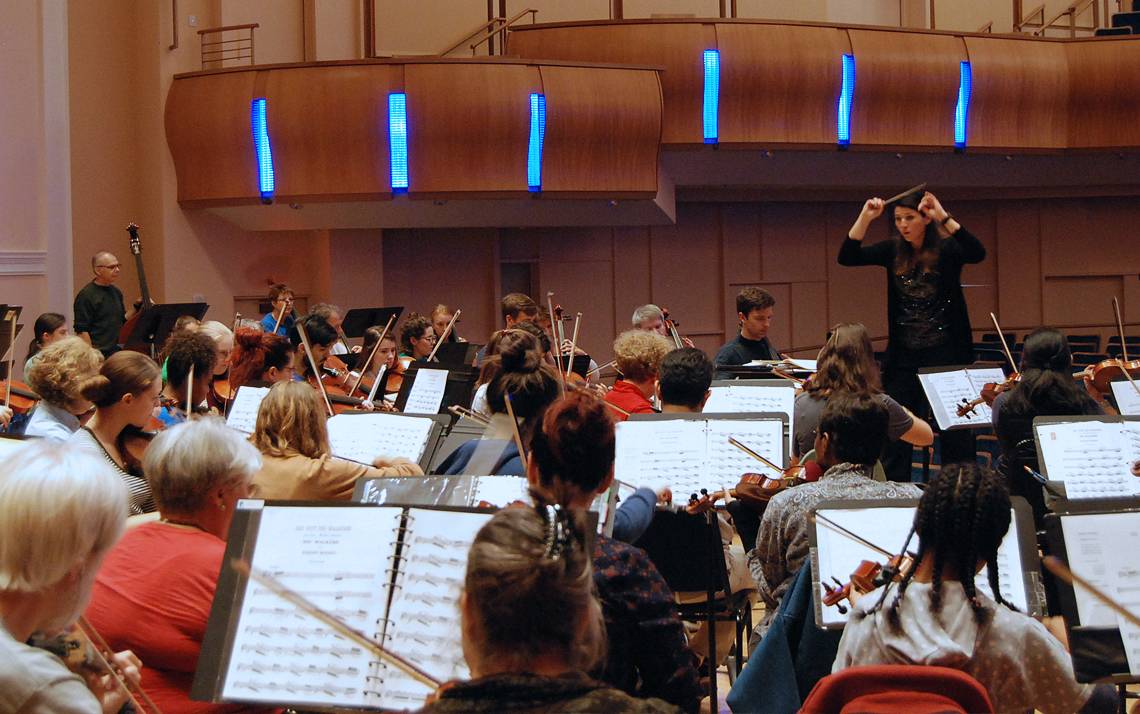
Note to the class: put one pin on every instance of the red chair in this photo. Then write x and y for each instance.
(886, 689)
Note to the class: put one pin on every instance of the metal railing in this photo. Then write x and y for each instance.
(217, 49)
(1035, 19)
(486, 32)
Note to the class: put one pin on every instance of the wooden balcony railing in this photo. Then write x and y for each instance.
(236, 48)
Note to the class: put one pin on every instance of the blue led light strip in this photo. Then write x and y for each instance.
(537, 136)
(398, 140)
(712, 95)
(962, 111)
(846, 96)
(265, 178)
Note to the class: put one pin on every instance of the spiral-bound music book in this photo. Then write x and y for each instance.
(392, 573)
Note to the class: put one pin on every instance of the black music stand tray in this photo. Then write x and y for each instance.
(359, 319)
(157, 322)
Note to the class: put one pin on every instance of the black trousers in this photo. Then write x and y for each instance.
(901, 383)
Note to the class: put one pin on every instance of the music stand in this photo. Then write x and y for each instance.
(359, 319)
(156, 322)
(460, 385)
(456, 354)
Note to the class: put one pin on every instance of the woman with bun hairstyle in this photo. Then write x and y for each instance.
(260, 359)
(58, 375)
(49, 327)
(125, 393)
(531, 385)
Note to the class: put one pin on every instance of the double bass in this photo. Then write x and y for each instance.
(128, 327)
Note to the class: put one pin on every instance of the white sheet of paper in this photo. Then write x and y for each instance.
(338, 559)
(363, 437)
(499, 491)
(752, 399)
(838, 554)
(666, 452)
(726, 463)
(1125, 578)
(1127, 398)
(243, 409)
(946, 390)
(806, 364)
(1098, 545)
(1092, 458)
(427, 390)
(423, 617)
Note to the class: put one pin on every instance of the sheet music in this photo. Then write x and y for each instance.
(726, 463)
(1125, 578)
(1092, 458)
(424, 614)
(836, 555)
(809, 365)
(243, 409)
(1099, 546)
(1127, 398)
(752, 399)
(499, 491)
(946, 390)
(670, 452)
(363, 437)
(338, 559)
(426, 394)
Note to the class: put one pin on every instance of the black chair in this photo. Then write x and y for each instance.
(1084, 343)
(688, 553)
(1085, 359)
(1130, 20)
(1010, 337)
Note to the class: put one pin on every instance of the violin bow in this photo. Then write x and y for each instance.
(99, 646)
(588, 390)
(733, 440)
(1123, 346)
(1054, 565)
(517, 435)
(190, 392)
(313, 365)
(280, 317)
(573, 344)
(11, 357)
(443, 337)
(371, 356)
(295, 598)
(780, 373)
(598, 370)
(554, 320)
(853, 536)
(1004, 346)
(229, 400)
(461, 411)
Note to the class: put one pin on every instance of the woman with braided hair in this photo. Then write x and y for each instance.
(937, 615)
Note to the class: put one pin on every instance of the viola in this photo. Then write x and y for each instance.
(22, 398)
(220, 393)
(84, 651)
(395, 379)
(1103, 373)
(755, 489)
(990, 391)
(869, 575)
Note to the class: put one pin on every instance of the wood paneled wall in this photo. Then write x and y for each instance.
(1056, 262)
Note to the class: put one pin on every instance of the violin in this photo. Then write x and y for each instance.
(220, 393)
(395, 379)
(755, 490)
(869, 575)
(1103, 373)
(85, 652)
(21, 398)
(990, 390)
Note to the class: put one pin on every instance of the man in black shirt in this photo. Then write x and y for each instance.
(754, 310)
(99, 309)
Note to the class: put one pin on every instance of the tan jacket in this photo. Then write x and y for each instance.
(299, 478)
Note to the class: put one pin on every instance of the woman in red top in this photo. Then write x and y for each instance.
(637, 355)
(156, 586)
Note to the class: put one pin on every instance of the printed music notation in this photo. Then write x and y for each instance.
(690, 454)
(946, 391)
(330, 556)
(754, 399)
(1093, 458)
(243, 409)
(363, 437)
(426, 394)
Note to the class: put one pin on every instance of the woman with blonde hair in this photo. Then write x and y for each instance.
(125, 393)
(47, 567)
(198, 471)
(846, 365)
(297, 463)
(58, 375)
(637, 355)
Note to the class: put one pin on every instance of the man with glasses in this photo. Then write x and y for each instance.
(99, 308)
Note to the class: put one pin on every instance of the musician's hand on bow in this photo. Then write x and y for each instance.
(664, 495)
(110, 693)
(5, 417)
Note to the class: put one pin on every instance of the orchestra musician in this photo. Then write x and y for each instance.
(191, 355)
(637, 355)
(386, 356)
(851, 435)
(154, 591)
(524, 565)
(937, 616)
(280, 318)
(440, 317)
(296, 462)
(99, 309)
(260, 358)
(417, 338)
(321, 336)
(572, 458)
(332, 315)
(218, 392)
(125, 393)
(929, 325)
(754, 309)
(652, 319)
(515, 308)
(47, 568)
(49, 327)
(58, 375)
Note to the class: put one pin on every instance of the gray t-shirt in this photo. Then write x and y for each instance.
(34, 681)
(809, 409)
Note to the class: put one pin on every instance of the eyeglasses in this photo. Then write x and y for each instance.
(113, 266)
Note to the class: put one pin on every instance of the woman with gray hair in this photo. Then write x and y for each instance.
(155, 589)
(63, 510)
(530, 623)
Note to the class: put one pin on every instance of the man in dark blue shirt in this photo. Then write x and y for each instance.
(754, 307)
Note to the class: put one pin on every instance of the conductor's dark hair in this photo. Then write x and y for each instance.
(750, 299)
(961, 520)
(856, 427)
(905, 255)
(685, 376)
